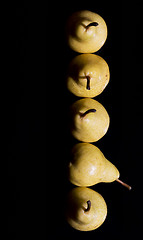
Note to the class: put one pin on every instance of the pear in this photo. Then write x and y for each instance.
(86, 209)
(86, 31)
(89, 166)
(89, 120)
(88, 75)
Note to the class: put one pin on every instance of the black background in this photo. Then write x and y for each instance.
(39, 141)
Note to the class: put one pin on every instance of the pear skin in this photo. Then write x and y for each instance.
(88, 166)
(88, 75)
(89, 120)
(86, 31)
(110, 173)
(86, 209)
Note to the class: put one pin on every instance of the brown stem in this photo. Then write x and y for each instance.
(88, 82)
(91, 24)
(124, 184)
(88, 111)
(88, 206)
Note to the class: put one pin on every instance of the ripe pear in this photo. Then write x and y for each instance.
(89, 120)
(88, 166)
(86, 31)
(86, 209)
(88, 75)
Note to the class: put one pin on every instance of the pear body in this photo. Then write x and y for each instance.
(82, 39)
(88, 166)
(84, 67)
(94, 125)
(76, 213)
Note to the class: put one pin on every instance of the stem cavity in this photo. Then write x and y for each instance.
(124, 184)
(88, 206)
(92, 110)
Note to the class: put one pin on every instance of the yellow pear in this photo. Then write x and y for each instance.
(88, 75)
(86, 209)
(89, 166)
(86, 31)
(89, 120)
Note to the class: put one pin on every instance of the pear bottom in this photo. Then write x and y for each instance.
(76, 213)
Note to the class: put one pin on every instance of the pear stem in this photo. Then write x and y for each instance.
(88, 82)
(88, 111)
(124, 184)
(91, 24)
(88, 206)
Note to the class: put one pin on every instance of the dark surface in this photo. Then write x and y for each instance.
(38, 139)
